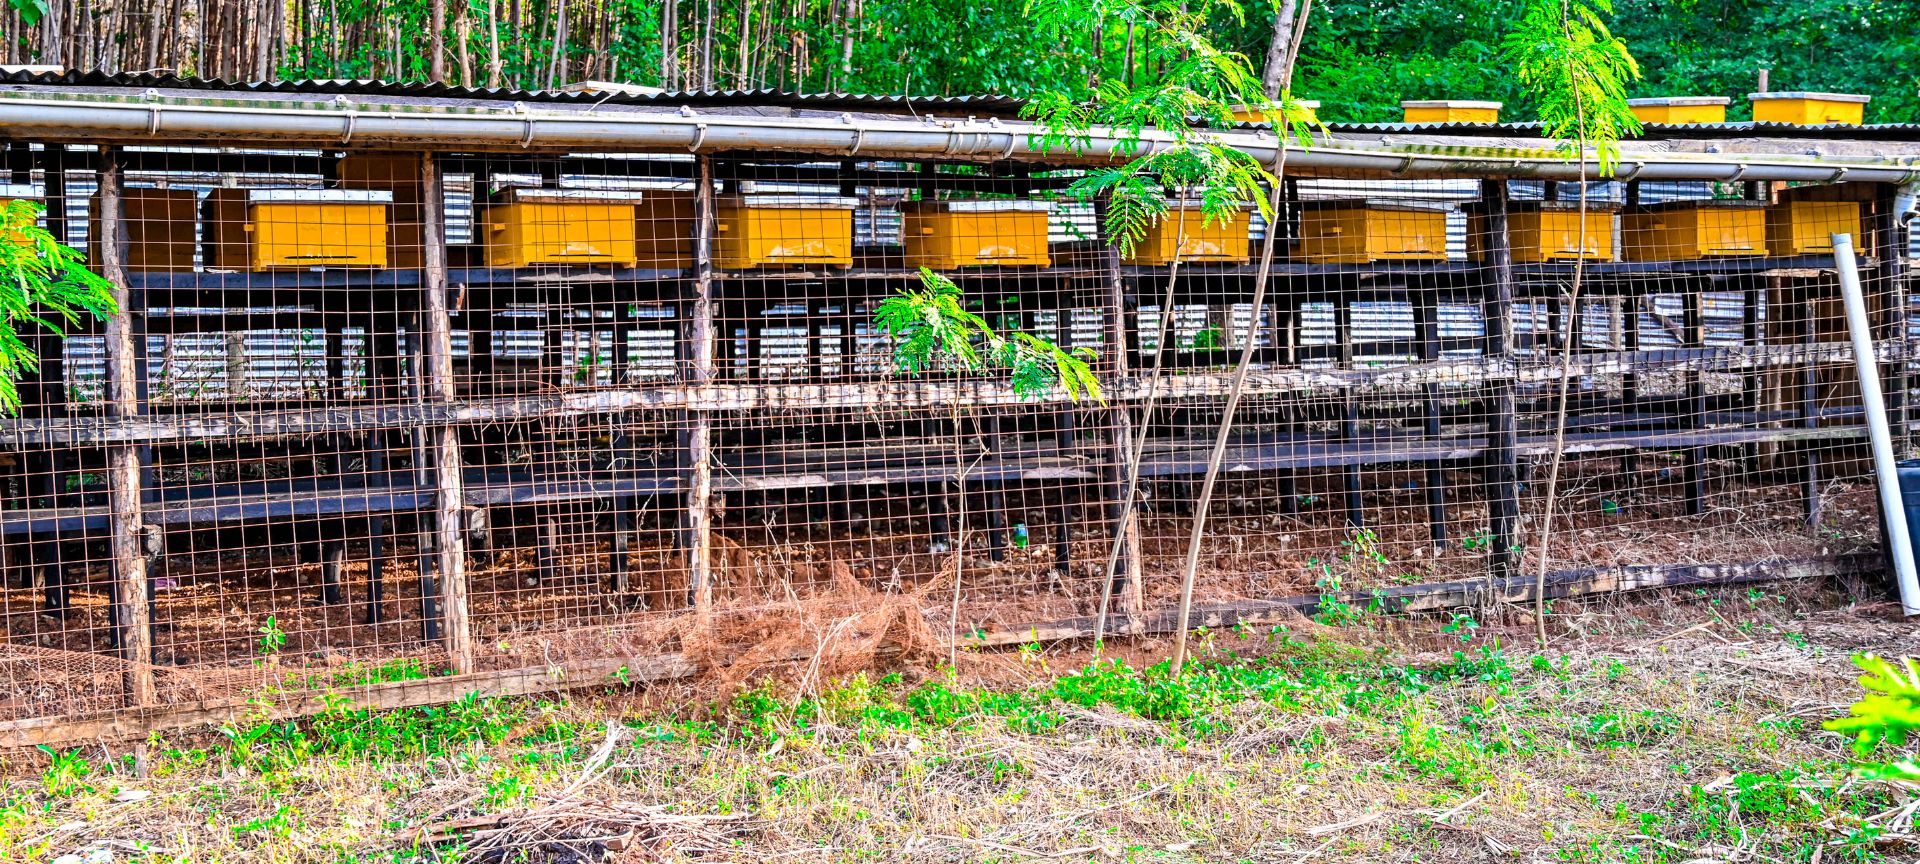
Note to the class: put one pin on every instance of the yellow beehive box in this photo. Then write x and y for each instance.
(1250, 114)
(944, 235)
(1357, 232)
(1539, 232)
(1809, 109)
(1806, 227)
(1691, 230)
(1675, 110)
(1450, 111)
(158, 226)
(295, 229)
(560, 226)
(663, 229)
(1183, 231)
(775, 230)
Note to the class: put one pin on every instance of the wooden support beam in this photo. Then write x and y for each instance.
(1427, 319)
(646, 669)
(129, 531)
(697, 428)
(1695, 327)
(1889, 251)
(450, 537)
(1123, 514)
(65, 431)
(1500, 463)
(1809, 376)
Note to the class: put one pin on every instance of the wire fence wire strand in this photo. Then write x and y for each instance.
(372, 418)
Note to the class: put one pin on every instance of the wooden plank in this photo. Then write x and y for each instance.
(21, 432)
(1500, 463)
(573, 674)
(450, 542)
(128, 529)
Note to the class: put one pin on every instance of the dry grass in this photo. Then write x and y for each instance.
(1664, 728)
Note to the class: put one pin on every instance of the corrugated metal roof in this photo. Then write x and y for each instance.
(976, 105)
(1006, 106)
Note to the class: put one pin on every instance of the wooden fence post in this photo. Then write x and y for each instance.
(697, 430)
(1126, 519)
(127, 521)
(1500, 460)
(444, 439)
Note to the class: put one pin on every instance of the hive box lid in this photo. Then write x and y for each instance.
(1677, 101)
(1695, 203)
(534, 194)
(1358, 203)
(319, 196)
(985, 205)
(793, 202)
(1817, 97)
(1449, 103)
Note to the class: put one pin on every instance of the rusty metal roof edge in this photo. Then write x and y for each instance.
(420, 89)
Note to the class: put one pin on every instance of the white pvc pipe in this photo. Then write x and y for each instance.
(518, 127)
(1884, 467)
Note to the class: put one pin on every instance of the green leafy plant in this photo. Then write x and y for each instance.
(272, 638)
(1888, 714)
(43, 283)
(931, 328)
(1199, 89)
(1564, 54)
(66, 773)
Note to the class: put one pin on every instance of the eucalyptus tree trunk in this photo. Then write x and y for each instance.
(669, 45)
(53, 34)
(741, 78)
(706, 50)
(493, 45)
(846, 44)
(437, 44)
(1279, 58)
(558, 67)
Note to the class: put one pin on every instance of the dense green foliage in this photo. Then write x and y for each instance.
(1888, 714)
(43, 285)
(932, 328)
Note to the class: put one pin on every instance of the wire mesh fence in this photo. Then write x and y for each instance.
(374, 417)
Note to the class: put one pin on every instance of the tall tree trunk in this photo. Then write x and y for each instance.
(53, 34)
(706, 50)
(493, 45)
(1279, 54)
(437, 42)
(463, 31)
(740, 75)
(670, 45)
(846, 45)
(559, 65)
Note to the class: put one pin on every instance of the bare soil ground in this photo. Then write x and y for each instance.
(1661, 727)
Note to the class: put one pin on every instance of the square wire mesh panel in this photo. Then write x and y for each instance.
(373, 417)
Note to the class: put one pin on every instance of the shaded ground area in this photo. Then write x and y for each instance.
(1669, 727)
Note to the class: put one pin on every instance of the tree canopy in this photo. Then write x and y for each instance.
(1360, 57)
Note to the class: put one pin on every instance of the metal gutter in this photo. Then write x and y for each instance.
(521, 127)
